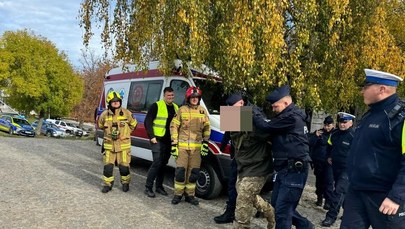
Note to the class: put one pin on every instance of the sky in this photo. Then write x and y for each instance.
(56, 20)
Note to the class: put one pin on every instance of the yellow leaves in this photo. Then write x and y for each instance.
(316, 46)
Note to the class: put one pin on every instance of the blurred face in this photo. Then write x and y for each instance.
(344, 125)
(328, 127)
(168, 97)
(240, 103)
(279, 106)
(194, 101)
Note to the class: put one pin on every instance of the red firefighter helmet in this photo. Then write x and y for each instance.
(193, 92)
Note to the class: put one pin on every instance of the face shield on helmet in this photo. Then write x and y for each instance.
(193, 92)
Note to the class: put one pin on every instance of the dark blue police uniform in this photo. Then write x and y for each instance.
(338, 148)
(376, 166)
(322, 169)
(291, 155)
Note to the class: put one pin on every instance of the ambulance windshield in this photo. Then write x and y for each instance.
(213, 94)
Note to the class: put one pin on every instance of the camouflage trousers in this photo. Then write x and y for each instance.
(248, 189)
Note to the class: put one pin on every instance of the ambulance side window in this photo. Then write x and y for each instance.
(142, 94)
(180, 88)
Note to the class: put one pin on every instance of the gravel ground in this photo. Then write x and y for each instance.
(56, 183)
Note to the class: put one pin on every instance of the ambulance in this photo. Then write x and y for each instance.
(140, 89)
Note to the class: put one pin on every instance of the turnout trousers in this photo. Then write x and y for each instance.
(122, 159)
(187, 171)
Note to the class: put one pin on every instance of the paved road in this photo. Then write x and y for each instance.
(56, 183)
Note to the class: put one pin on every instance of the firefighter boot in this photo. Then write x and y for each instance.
(192, 200)
(227, 217)
(176, 199)
(125, 187)
(106, 189)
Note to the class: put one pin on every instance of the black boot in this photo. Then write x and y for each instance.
(327, 222)
(125, 187)
(106, 189)
(176, 199)
(192, 200)
(149, 192)
(161, 191)
(227, 217)
(319, 201)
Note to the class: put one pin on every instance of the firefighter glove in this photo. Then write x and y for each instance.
(204, 148)
(175, 151)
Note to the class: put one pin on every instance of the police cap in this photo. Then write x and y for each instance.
(379, 77)
(278, 94)
(343, 117)
(233, 98)
(328, 120)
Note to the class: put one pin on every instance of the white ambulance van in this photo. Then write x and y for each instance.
(140, 89)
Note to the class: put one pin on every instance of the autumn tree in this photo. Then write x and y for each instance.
(319, 47)
(93, 70)
(37, 77)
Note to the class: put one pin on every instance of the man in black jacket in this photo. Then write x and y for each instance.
(318, 141)
(157, 125)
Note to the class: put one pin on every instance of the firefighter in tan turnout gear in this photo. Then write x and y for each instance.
(190, 131)
(117, 123)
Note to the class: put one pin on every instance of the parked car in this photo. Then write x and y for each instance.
(16, 124)
(85, 133)
(76, 131)
(50, 129)
(62, 125)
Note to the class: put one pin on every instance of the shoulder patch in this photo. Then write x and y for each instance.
(202, 112)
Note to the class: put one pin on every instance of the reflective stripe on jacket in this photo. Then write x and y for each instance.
(190, 126)
(159, 123)
(122, 122)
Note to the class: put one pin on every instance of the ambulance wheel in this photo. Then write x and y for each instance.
(208, 184)
(10, 131)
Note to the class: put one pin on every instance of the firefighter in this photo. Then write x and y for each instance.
(117, 123)
(190, 131)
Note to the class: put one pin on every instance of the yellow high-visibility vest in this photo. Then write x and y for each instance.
(159, 124)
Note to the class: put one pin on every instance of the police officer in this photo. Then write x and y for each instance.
(291, 156)
(190, 132)
(254, 164)
(228, 216)
(117, 123)
(157, 125)
(376, 160)
(338, 147)
(318, 142)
